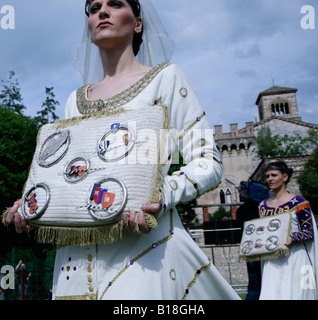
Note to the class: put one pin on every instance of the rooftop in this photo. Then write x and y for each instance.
(275, 90)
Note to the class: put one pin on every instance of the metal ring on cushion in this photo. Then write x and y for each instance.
(109, 214)
(33, 202)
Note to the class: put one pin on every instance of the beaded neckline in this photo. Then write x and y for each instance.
(291, 203)
(115, 104)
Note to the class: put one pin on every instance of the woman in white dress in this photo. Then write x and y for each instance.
(162, 264)
(291, 277)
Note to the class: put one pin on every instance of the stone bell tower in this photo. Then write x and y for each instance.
(278, 102)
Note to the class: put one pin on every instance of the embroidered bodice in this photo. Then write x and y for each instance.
(302, 210)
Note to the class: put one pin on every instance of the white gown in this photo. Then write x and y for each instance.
(165, 264)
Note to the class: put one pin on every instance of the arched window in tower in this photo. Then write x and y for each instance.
(279, 108)
(222, 197)
(228, 196)
(287, 108)
(273, 110)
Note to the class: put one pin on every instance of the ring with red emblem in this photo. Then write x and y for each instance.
(107, 199)
(76, 170)
(35, 202)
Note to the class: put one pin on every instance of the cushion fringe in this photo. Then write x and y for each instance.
(4, 216)
(265, 257)
(65, 236)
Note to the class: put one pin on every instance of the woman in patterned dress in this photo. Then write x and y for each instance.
(291, 277)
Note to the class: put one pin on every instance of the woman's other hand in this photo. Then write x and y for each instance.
(131, 218)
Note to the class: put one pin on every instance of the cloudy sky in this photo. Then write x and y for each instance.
(231, 50)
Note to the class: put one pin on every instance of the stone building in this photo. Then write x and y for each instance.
(278, 109)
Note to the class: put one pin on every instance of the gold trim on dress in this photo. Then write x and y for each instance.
(115, 104)
(142, 254)
(192, 126)
(192, 282)
(80, 297)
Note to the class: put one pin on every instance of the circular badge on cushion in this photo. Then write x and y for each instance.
(76, 170)
(53, 149)
(35, 202)
(272, 243)
(108, 199)
(116, 143)
(247, 247)
(250, 229)
(274, 225)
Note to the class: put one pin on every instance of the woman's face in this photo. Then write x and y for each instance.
(112, 23)
(275, 179)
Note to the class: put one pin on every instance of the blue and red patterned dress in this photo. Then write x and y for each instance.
(293, 277)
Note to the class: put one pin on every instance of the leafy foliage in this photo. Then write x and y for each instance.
(220, 214)
(17, 140)
(10, 96)
(283, 146)
(308, 181)
(18, 137)
(48, 108)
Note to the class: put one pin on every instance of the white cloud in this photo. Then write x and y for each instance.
(230, 50)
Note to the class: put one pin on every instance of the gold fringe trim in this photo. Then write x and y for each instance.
(151, 221)
(4, 216)
(266, 257)
(65, 236)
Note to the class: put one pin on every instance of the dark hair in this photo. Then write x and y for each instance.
(136, 8)
(282, 167)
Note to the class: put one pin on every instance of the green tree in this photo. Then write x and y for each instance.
(48, 108)
(282, 146)
(10, 96)
(313, 137)
(308, 181)
(266, 144)
(18, 136)
(220, 214)
(17, 140)
(293, 145)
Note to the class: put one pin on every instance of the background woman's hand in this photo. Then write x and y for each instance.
(129, 218)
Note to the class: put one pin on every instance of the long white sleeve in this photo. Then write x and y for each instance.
(192, 135)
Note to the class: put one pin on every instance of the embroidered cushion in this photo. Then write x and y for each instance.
(265, 238)
(87, 171)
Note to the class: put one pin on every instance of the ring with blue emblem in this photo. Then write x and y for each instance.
(116, 143)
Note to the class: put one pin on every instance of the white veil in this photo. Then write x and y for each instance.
(157, 47)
